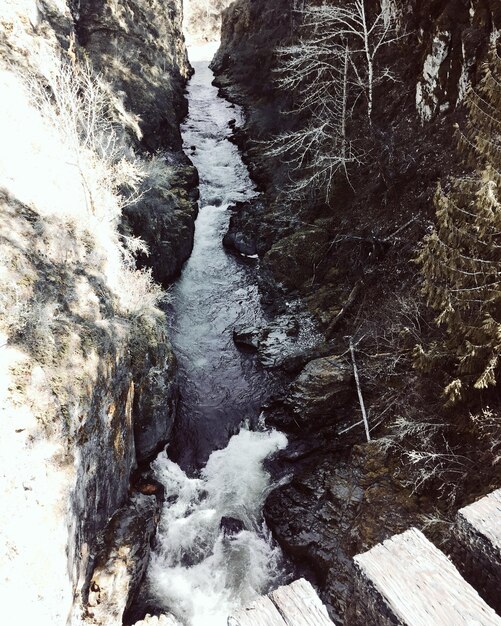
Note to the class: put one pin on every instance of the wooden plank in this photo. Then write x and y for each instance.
(420, 586)
(261, 612)
(485, 518)
(477, 546)
(296, 604)
(299, 605)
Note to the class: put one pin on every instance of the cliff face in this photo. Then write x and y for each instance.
(347, 253)
(139, 48)
(88, 382)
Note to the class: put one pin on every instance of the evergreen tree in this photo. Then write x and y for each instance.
(331, 69)
(461, 258)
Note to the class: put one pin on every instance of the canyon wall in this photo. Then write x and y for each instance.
(92, 98)
(348, 251)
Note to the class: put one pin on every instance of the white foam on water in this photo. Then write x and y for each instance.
(196, 571)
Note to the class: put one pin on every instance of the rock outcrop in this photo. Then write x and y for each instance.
(323, 387)
(165, 217)
(139, 48)
(124, 556)
(90, 158)
(346, 253)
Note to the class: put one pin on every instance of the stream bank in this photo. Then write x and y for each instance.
(346, 255)
(93, 99)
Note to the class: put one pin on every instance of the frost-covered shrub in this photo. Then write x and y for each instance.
(76, 103)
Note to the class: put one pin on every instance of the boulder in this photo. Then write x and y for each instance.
(241, 236)
(279, 340)
(248, 337)
(164, 218)
(324, 385)
(243, 233)
(231, 526)
(122, 560)
(156, 391)
(240, 242)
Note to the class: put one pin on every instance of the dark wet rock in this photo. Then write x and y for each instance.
(331, 511)
(253, 229)
(231, 526)
(150, 489)
(324, 385)
(238, 241)
(248, 337)
(156, 391)
(272, 351)
(241, 235)
(297, 450)
(247, 229)
(128, 395)
(295, 362)
(317, 397)
(164, 218)
(139, 49)
(286, 336)
(123, 558)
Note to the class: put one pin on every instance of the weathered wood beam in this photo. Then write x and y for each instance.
(296, 604)
(477, 550)
(407, 581)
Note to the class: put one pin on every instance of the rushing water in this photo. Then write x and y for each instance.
(198, 571)
(220, 385)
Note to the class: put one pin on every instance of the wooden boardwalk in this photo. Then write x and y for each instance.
(484, 519)
(296, 604)
(407, 581)
(478, 546)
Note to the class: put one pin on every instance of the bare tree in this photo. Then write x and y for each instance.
(366, 32)
(328, 70)
(203, 18)
(319, 76)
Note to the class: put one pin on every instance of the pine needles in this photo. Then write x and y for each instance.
(461, 258)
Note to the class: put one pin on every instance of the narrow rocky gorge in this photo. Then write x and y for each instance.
(181, 422)
(348, 258)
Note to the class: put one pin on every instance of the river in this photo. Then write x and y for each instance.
(213, 551)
